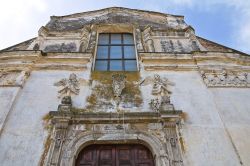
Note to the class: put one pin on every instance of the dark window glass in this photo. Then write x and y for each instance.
(102, 52)
(130, 65)
(128, 39)
(116, 52)
(116, 65)
(103, 39)
(129, 52)
(101, 65)
(116, 39)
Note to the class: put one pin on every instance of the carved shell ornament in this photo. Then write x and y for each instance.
(70, 86)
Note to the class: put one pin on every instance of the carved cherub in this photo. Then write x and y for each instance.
(160, 85)
(70, 86)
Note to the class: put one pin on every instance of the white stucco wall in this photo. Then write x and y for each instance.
(21, 142)
(215, 118)
(7, 97)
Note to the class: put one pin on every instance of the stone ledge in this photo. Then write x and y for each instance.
(127, 117)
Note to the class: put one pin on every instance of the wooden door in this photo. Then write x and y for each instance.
(115, 155)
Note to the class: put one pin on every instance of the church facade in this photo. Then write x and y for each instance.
(121, 86)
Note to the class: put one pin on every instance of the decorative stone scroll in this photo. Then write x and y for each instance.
(161, 91)
(226, 79)
(13, 78)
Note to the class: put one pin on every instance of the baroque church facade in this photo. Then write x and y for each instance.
(123, 87)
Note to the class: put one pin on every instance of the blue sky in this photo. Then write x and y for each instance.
(224, 21)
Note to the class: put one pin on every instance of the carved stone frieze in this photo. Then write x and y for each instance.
(226, 79)
(13, 78)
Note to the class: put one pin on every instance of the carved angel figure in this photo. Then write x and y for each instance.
(69, 86)
(160, 85)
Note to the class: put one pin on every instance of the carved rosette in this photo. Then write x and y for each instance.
(226, 79)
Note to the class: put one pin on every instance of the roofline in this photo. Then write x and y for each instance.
(6, 49)
(111, 8)
(237, 51)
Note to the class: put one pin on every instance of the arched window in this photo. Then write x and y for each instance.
(115, 52)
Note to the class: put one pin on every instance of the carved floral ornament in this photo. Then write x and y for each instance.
(226, 79)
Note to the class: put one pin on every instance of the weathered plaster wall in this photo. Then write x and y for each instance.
(7, 97)
(234, 109)
(206, 141)
(216, 119)
(21, 142)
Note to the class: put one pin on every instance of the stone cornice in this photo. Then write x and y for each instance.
(38, 60)
(194, 61)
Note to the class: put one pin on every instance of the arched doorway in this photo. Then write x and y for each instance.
(115, 155)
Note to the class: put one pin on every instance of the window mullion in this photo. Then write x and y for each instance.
(123, 63)
(109, 52)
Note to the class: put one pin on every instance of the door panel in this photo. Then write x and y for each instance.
(115, 155)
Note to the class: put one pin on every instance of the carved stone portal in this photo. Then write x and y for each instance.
(72, 132)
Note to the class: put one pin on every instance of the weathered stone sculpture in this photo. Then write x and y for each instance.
(148, 40)
(66, 104)
(118, 84)
(68, 86)
(160, 91)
